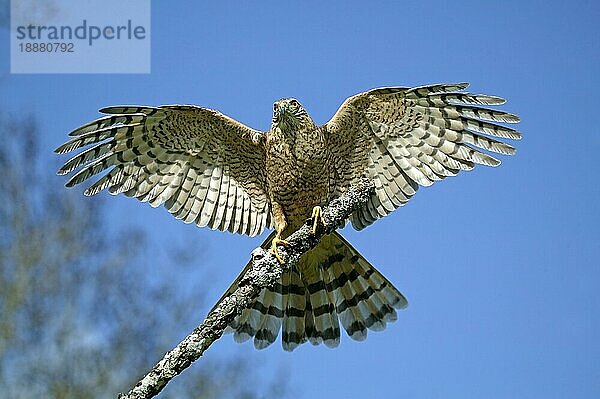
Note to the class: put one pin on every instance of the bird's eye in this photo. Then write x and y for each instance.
(294, 103)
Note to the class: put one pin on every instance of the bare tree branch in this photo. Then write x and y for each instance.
(264, 272)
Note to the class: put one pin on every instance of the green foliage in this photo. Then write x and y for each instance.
(80, 316)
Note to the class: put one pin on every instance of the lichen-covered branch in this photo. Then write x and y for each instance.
(264, 272)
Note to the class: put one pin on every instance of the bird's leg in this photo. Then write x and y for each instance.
(278, 241)
(280, 225)
(317, 215)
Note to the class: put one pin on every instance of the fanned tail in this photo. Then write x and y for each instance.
(331, 284)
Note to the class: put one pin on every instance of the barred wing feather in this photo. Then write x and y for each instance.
(202, 165)
(403, 138)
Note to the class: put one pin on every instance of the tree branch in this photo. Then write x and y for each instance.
(264, 272)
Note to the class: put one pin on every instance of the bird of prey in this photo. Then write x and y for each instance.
(212, 170)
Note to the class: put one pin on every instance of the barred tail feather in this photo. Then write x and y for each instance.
(331, 284)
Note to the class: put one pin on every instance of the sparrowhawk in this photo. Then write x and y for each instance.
(207, 168)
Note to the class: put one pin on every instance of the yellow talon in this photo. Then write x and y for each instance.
(317, 215)
(278, 241)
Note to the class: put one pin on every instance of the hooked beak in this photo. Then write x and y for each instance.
(279, 113)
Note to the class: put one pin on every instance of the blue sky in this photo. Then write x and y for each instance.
(500, 266)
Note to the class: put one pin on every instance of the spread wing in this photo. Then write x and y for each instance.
(403, 138)
(203, 166)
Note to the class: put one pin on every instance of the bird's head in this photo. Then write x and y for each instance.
(289, 115)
